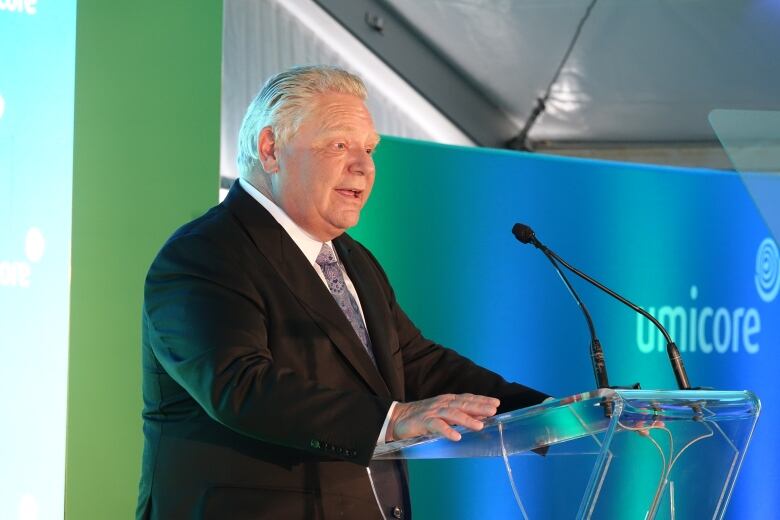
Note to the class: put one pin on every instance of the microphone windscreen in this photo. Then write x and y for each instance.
(523, 233)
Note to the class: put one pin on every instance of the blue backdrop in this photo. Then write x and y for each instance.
(688, 245)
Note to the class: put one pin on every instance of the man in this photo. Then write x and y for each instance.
(275, 355)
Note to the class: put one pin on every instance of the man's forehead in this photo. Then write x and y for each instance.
(342, 113)
(340, 105)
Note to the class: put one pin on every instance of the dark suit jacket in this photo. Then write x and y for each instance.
(259, 399)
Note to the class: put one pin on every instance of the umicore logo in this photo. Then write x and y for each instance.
(767, 270)
(700, 329)
(29, 7)
(708, 329)
(18, 273)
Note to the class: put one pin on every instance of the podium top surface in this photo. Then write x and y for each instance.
(577, 416)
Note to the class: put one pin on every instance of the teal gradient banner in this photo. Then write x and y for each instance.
(687, 245)
(38, 39)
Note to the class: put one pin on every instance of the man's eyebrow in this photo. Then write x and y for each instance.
(331, 129)
(336, 126)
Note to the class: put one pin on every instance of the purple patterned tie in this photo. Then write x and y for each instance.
(330, 268)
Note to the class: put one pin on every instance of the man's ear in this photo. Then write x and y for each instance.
(267, 151)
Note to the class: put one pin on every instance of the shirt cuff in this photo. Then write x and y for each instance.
(383, 431)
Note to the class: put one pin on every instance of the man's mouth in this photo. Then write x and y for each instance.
(350, 193)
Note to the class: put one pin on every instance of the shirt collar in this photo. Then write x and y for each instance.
(309, 246)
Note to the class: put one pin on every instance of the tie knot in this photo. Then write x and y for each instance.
(326, 256)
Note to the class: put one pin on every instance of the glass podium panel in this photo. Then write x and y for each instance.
(612, 454)
(751, 139)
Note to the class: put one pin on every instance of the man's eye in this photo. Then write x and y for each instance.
(340, 146)
(369, 150)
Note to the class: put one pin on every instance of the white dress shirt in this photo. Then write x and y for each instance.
(310, 247)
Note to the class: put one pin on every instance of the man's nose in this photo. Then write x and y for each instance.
(361, 163)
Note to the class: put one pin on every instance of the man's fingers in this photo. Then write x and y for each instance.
(474, 400)
(438, 426)
(643, 428)
(438, 414)
(453, 416)
(475, 405)
(479, 410)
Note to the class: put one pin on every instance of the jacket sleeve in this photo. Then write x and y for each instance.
(431, 369)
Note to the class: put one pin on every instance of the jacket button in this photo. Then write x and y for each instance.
(398, 512)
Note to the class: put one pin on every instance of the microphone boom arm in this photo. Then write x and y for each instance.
(596, 352)
(526, 235)
(671, 348)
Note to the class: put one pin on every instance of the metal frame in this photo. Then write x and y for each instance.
(383, 30)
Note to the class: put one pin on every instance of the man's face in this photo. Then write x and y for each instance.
(325, 170)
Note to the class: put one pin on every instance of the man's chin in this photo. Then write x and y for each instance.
(346, 220)
(334, 229)
(342, 229)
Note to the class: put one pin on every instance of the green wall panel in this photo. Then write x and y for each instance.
(146, 159)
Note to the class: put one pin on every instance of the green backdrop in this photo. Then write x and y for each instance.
(146, 159)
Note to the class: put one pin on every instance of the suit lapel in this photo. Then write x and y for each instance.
(284, 255)
(373, 302)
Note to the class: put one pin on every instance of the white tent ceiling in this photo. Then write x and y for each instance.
(631, 80)
(639, 71)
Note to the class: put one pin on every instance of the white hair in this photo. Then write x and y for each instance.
(282, 104)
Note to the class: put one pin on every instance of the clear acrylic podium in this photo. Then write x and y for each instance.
(612, 454)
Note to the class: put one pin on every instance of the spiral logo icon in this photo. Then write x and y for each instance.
(768, 270)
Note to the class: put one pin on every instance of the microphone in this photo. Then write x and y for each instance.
(526, 235)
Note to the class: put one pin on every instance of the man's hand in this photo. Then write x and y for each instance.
(437, 414)
(643, 427)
